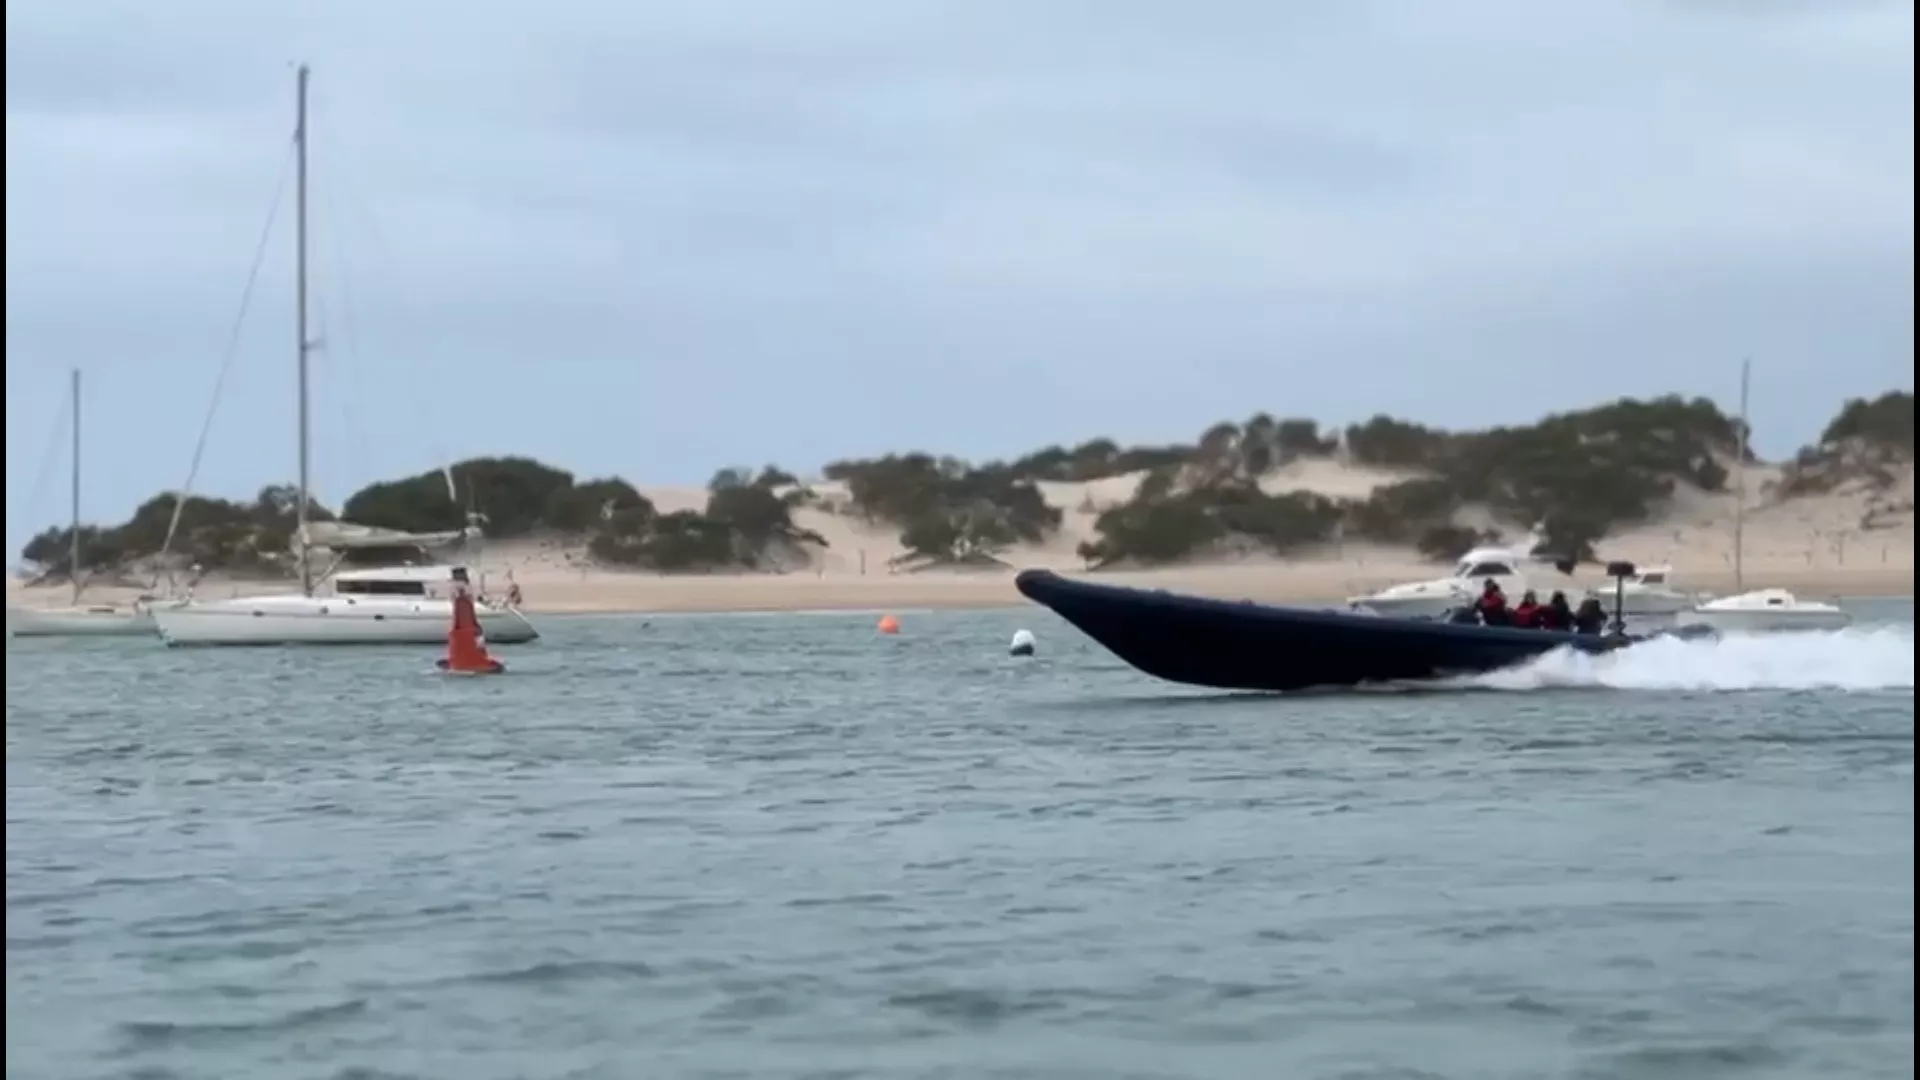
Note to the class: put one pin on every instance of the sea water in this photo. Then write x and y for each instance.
(792, 847)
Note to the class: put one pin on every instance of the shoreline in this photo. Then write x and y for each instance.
(1313, 583)
(782, 595)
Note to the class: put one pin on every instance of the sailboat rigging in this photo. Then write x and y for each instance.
(77, 620)
(1761, 610)
(409, 605)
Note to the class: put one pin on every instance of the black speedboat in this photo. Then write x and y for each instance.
(1229, 645)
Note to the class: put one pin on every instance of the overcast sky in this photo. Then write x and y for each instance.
(652, 239)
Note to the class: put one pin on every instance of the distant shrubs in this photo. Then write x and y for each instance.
(1574, 476)
(1868, 442)
(253, 538)
(1179, 525)
(948, 511)
(745, 524)
(1885, 422)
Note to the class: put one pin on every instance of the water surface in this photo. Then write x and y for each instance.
(787, 847)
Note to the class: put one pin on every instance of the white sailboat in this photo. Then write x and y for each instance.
(394, 606)
(1761, 610)
(77, 619)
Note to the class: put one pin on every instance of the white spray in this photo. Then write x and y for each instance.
(1856, 659)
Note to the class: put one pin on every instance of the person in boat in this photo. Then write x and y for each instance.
(1526, 614)
(1493, 606)
(1556, 613)
(1591, 618)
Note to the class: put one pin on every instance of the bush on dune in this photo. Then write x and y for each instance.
(1575, 476)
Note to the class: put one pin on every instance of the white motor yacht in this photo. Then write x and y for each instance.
(1646, 592)
(1434, 598)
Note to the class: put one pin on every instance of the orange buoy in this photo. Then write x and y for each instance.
(466, 647)
(889, 625)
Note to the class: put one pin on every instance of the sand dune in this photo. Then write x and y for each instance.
(1850, 542)
(1815, 545)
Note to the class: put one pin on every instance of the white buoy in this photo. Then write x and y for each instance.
(1022, 643)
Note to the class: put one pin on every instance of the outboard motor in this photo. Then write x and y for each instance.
(1619, 572)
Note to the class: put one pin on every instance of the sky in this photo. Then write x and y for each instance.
(652, 239)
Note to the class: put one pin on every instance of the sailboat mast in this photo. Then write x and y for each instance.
(300, 318)
(73, 526)
(1740, 484)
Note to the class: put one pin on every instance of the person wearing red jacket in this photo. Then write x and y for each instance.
(1526, 614)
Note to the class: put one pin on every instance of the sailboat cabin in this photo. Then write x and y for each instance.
(421, 581)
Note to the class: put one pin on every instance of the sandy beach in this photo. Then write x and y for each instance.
(1847, 543)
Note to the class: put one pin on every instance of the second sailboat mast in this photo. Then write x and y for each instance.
(73, 528)
(300, 318)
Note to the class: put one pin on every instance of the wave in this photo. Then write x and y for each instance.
(1876, 659)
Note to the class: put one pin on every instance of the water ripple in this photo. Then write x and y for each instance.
(783, 848)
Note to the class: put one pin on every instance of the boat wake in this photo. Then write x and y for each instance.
(1854, 659)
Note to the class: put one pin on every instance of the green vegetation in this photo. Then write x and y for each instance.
(949, 512)
(1574, 475)
(248, 538)
(746, 523)
(1867, 443)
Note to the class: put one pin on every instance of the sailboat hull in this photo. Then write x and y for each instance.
(102, 621)
(302, 620)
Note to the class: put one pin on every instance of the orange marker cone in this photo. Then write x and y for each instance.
(466, 649)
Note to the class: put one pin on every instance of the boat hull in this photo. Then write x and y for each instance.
(1226, 645)
(329, 621)
(1766, 611)
(80, 622)
(1767, 622)
(1422, 606)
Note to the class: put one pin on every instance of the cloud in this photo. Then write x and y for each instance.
(654, 239)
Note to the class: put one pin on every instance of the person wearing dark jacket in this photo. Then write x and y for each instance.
(1591, 618)
(1557, 614)
(1493, 606)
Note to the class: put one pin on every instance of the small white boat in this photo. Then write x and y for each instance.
(1765, 611)
(1761, 611)
(91, 620)
(76, 619)
(406, 605)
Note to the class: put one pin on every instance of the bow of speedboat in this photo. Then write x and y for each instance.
(1242, 645)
